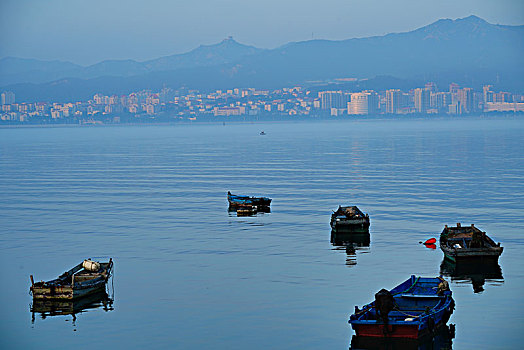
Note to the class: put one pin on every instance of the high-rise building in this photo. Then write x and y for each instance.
(431, 87)
(440, 101)
(422, 100)
(502, 96)
(332, 99)
(465, 97)
(393, 101)
(453, 88)
(365, 102)
(488, 94)
(7, 98)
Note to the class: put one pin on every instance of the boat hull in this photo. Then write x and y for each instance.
(440, 339)
(381, 331)
(68, 293)
(350, 226)
(396, 330)
(482, 255)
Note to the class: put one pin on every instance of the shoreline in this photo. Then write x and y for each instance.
(279, 119)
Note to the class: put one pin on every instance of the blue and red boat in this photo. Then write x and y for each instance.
(236, 202)
(413, 309)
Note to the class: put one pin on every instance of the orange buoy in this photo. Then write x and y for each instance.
(431, 241)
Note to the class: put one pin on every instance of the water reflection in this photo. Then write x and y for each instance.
(50, 308)
(248, 211)
(476, 272)
(442, 339)
(351, 243)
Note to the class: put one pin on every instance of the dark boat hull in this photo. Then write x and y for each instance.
(482, 255)
(350, 226)
(67, 292)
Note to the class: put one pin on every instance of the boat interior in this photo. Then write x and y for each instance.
(80, 273)
(408, 308)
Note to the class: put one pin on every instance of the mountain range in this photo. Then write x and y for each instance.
(467, 50)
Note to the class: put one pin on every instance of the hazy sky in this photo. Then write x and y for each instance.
(88, 31)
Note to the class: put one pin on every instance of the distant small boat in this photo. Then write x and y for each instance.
(413, 309)
(349, 219)
(262, 133)
(246, 201)
(85, 278)
(468, 242)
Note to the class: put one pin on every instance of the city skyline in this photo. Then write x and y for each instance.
(86, 33)
(170, 105)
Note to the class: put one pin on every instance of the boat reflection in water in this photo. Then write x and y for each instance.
(441, 339)
(351, 243)
(248, 211)
(50, 308)
(476, 272)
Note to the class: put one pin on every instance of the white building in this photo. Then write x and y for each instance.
(7, 98)
(365, 102)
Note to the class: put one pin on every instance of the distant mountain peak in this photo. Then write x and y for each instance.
(472, 19)
(229, 39)
(446, 22)
(450, 28)
(227, 43)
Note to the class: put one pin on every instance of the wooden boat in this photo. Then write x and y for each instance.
(468, 242)
(246, 201)
(349, 219)
(413, 309)
(85, 278)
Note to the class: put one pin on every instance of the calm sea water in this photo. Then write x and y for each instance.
(189, 275)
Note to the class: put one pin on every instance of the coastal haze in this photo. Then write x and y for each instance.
(466, 51)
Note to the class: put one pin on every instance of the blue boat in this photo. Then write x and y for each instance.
(413, 309)
(247, 202)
